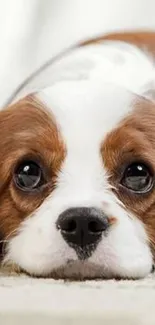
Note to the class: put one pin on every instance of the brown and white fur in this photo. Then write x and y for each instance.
(84, 130)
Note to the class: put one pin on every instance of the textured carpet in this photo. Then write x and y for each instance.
(25, 300)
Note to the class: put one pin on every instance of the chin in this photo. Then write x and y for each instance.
(77, 190)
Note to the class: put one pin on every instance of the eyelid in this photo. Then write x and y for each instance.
(126, 163)
(27, 157)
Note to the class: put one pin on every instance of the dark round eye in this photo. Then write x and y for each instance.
(28, 175)
(138, 178)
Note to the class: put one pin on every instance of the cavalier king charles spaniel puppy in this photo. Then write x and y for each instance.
(77, 166)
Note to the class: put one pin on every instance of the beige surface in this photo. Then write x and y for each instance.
(24, 300)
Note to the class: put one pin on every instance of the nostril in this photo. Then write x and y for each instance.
(94, 227)
(97, 226)
(69, 226)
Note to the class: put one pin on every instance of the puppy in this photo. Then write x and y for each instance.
(77, 166)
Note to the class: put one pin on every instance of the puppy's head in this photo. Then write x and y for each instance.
(77, 173)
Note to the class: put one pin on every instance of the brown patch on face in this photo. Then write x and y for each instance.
(143, 39)
(133, 141)
(112, 221)
(27, 131)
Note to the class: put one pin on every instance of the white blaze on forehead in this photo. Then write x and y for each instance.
(87, 110)
(92, 87)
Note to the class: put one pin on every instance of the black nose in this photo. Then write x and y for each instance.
(82, 226)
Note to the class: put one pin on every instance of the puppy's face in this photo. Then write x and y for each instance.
(77, 183)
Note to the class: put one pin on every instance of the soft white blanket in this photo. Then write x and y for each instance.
(24, 301)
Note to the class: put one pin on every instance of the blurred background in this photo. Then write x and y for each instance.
(33, 31)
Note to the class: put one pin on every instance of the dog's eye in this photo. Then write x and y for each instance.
(138, 178)
(28, 175)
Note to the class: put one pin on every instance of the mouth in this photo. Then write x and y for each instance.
(82, 270)
(73, 270)
(78, 271)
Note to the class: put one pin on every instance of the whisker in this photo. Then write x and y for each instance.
(2, 241)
